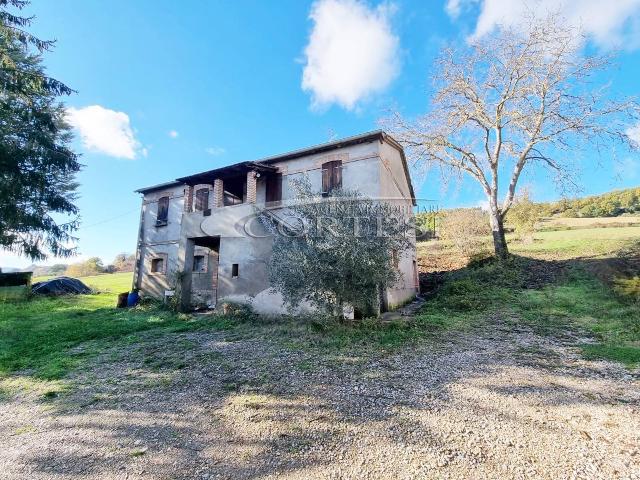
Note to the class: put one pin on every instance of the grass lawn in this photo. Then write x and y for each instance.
(584, 242)
(43, 338)
(108, 282)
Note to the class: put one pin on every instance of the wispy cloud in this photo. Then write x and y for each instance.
(453, 8)
(613, 24)
(634, 135)
(173, 134)
(352, 52)
(105, 131)
(215, 151)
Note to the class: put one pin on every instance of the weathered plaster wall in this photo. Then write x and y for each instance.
(154, 284)
(395, 187)
(359, 163)
(159, 242)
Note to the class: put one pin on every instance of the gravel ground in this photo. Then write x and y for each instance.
(495, 404)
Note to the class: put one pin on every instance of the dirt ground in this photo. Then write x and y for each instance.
(500, 403)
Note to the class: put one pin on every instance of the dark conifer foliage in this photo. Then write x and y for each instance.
(37, 167)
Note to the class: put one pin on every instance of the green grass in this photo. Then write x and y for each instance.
(13, 293)
(43, 338)
(578, 243)
(110, 282)
(39, 335)
(107, 282)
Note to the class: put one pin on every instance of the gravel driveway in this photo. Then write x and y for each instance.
(495, 404)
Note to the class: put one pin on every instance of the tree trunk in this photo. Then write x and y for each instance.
(497, 230)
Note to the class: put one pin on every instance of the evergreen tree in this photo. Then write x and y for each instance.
(37, 168)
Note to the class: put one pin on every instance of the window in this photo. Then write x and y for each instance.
(331, 176)
(163, 211)
(199, 264)
(202, 199)
(234, 270)
(395, 259)
(157, 265)
(274, 188)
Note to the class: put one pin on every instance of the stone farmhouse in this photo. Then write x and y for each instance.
(194, 240)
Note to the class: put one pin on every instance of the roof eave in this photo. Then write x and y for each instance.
(392, 141)
(159, 186)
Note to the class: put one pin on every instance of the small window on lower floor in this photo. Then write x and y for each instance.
(395, 259)
(198, 263)
(234, 270)
(157, 265)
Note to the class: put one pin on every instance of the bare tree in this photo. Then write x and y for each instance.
(516, 98)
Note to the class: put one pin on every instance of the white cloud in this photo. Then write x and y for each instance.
(352, 52)
(215, 151)
(105, 131)
(453, 8)
(609, 24)
(173, 134)
(634, 135)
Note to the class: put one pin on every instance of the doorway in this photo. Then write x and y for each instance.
(204, 272)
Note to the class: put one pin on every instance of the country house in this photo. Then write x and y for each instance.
(196, 232)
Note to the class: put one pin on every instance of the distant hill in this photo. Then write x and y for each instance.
(611, 204)
(44, 270)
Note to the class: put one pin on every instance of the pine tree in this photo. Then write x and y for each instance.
(37, 168)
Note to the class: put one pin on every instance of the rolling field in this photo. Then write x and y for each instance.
(584, 242)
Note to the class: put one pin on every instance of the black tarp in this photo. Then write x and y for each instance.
(60, 286)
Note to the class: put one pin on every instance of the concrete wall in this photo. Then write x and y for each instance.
(359, 169)
(159, 242)
(373, 168)
(204, 283)
(243, 241)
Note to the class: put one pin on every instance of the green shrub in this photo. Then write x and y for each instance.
(524, 216)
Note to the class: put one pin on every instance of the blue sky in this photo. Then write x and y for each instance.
(167, 89)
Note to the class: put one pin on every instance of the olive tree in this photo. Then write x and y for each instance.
(337, 250)
(510, 101)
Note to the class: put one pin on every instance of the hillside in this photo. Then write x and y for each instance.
(611, 204)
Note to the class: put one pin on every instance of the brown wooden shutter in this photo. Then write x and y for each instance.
(336, 174)
(163, 210)
(331, 176)
(202, 199)
(326, 178)
(274, 188)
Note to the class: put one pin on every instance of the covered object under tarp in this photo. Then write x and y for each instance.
(60, 286)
